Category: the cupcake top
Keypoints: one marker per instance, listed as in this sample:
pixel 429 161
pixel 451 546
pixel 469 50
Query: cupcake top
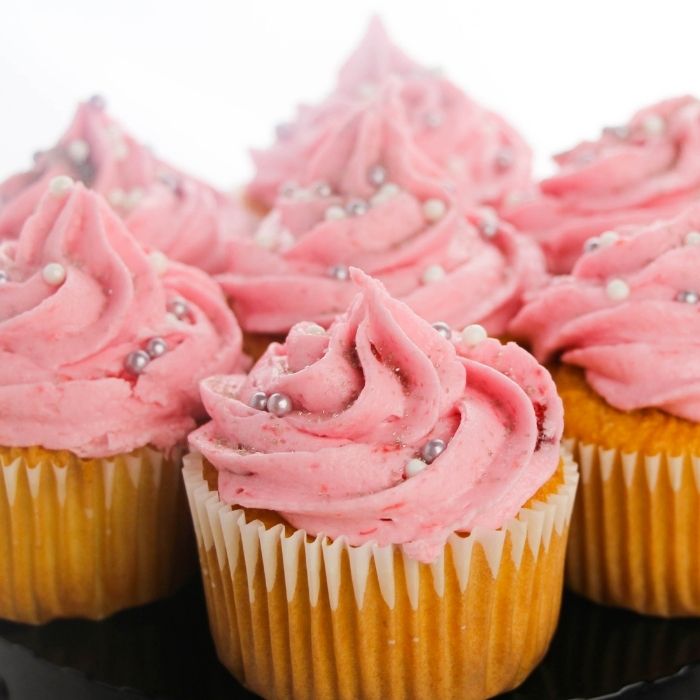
pixel 101 346
pixel 164 208
pixel 381 429
pixel 371 198
pixel 629 315
pixel 479 151
pixel 635 173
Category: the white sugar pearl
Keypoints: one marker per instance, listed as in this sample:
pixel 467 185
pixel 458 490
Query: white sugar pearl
pixel 266 238
pixel 116 197
pixel 385 193
pixel 78 151
pixel 434 209
pixel 692 238
pixel 60 185
pixel 654 125
pixel 474 334
pixel 54 274
pixel 133 197
pixel 608 238
pixel 617 289
pixel 433 273
pixel 159 262
pixel 334 212
pixel 314 329
pixel 414 467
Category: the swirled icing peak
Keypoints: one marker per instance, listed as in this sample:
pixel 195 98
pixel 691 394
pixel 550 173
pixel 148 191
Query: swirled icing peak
pixel 369 198
pixel 100 350
pixel 164 208
pixel 635 173
pixel 340 452
pixel 629 316
pixel 478 151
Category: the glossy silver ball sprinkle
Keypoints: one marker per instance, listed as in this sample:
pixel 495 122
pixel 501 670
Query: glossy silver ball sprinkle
pixel 323 189
pixel 258 401
pixel 591 244
pixel 339 272
pixel 4 277
pixel 279 404
pixel 443 329
pixel 156 347
pixel 688 297
pixel 488 227
pixel 98 102
pixel 377 175
pixel 137 361
pixel 179 308
pixel 357 207
pixel 432 450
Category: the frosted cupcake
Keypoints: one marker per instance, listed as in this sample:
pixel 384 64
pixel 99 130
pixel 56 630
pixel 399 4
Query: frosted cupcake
pixel 636 173
pixel 101 353
pixel 484 156
pixel 369 197
pixel 186 219
pixel 382 511
pixel 626 329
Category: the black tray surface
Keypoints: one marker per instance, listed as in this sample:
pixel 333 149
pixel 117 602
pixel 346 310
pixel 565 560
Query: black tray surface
pixel 164 651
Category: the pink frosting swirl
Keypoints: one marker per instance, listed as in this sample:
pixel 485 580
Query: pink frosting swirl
pixel 628 314
pixel 400 225
pixel 164 208
pixel 636 173
pixel 366 397
pixel 477 149
pixel 66 329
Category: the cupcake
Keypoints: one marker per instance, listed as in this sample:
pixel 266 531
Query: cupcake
pixel 485 157
pixel 101 354
pixel 382 511
pixel 165 209
pixel 624 333
pixel 369 197
pixel 636 173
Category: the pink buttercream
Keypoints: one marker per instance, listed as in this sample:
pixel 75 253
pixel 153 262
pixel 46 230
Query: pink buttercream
pixel 63 382
pixel 642 350
pixel 445 267
pixel 367 395
pixel 480 153
pixel 637 173
pixel 164 208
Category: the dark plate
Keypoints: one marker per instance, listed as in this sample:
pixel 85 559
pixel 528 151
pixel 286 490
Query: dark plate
pixel 164 651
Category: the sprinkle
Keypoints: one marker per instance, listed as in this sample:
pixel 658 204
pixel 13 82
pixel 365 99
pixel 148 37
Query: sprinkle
pixel 432 450
pixel 620 132
pixel 323 189
pixel 607 238
pixel 591 244
pixel 414 467
pixel 433 273
pixel 4 277
pixel 137 361
pixel 159 261
pixel 339 272
pixel 258 401
pixel 334 212
pixel 357 207
pixel 279 404
pixel 654 125
pixel 377 175
pixel 617 289
pixel 386 192
pixel 54 274
pixel 443 329
pixel 504 158
pixel 156 347
pixel 98 102
pixel 313 329
pixel 434 209
pixel 116 197
pixel 178 308
pixel 60 185
pixel 688 297
pixel 474 334
pixel 78 151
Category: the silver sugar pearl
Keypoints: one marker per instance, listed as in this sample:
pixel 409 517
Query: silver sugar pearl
pixel 279 404
pixel 621 131
pixel 179 308
pixel 443 329
pixel 156 347
pixel 288 189
pixel 591 244
pixel 377 175
pixel 688 297
pixel 4 277
pixel 339 272
pixel 137 361
pixel 504 158
pixel 323 189
pixel 357 207
pixel 488 227
pixel 432 450
pixel 258 401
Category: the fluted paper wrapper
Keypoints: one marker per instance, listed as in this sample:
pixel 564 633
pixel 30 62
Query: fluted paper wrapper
pixel 295 616
pixel 85 538
pixel 635 533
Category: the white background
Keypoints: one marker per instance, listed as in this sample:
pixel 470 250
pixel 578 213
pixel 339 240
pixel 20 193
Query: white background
pixel 203 80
